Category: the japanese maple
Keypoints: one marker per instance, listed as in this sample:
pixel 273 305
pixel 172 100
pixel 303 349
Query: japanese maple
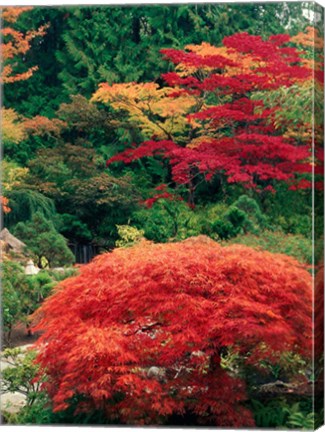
pixel 140 332
pixel 227 133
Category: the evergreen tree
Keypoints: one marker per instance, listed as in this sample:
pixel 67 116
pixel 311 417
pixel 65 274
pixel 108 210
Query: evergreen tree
pixel 121 44
pixel 42 93
pixel 84 46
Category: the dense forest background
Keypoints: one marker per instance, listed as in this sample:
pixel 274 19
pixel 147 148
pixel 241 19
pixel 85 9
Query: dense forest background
pixel 57 139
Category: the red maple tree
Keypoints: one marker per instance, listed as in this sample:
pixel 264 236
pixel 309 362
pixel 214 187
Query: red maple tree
pixel 140 332
pixel 228 133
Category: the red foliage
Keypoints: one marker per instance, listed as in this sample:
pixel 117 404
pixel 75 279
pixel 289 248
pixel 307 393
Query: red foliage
pixel 240 139
pixel 140 331
pixel 164 194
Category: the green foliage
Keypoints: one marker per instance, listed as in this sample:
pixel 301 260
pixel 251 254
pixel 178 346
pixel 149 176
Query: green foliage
pixel 25 203
pixel 280 413
pixel 290 211
pixel 300 420
pixel 255 219
pixel 270 415
pixel 90 202
pixel 296 246
pixel 61 274
pixel 18 377
pixel 43 241
pixel 22 294
pixel 295 102
pixel 231 223
pixel 167 220
pixel 243 216
pixel 78 51
pixel 12 280
pixel 39 413
pixel 72 227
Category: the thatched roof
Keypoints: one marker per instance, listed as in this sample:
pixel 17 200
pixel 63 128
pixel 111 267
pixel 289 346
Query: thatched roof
pixel 14 244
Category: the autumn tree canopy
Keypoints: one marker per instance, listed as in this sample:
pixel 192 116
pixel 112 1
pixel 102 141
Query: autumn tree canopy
pixel 206 121
pixel 146 327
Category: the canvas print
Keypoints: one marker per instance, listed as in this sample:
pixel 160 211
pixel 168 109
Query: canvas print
pixel 162 202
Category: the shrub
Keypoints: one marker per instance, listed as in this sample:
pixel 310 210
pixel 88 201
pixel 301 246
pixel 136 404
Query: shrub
pixel 243 216
pixel 43 241
pixel 12 278
pixel 255 219
pixel 231 224
pixel 279 413
pixel 22 294
pixel 19 377
pixel 168 220
pixel 128 235
pixel 140 332
pixel 277 242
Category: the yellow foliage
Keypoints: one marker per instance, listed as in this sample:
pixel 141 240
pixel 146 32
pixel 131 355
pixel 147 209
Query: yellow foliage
pixel 12 175
pixel 196 142
pixel 148 106
pixel 129 235
pixel 12 127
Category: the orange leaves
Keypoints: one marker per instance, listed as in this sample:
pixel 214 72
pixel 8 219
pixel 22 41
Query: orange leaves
pixel 4 204
pixel 40 125
pixel 11 14
pixel 149 322
pixel 313 54
pixel 242 63
pixel 16 43
pixel 15 128
pixel 309 38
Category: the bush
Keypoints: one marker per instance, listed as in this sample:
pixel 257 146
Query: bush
pixel 22 294
pixel 128 235
pixel 140 331
pixel 296 246
pixel 255 219
pixel 20 377
pixel 231 224
pixel 280 413
pixel 12 279
pixel 242 217
pixel 167 220
pixel 44 242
